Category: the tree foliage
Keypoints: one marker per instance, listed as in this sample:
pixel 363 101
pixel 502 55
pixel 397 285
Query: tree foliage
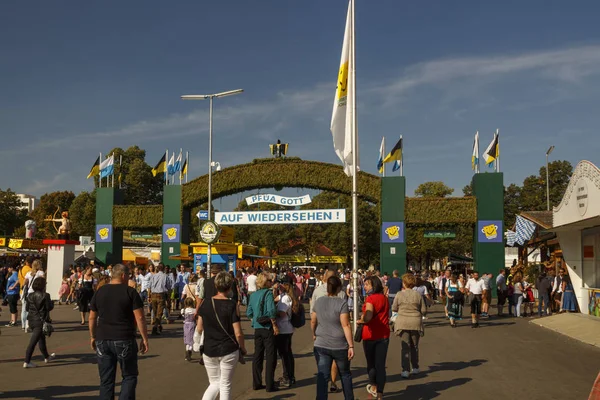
pixel 12 216
pixel 433 189
pixel 83 214
pixel 49 204
pixel 137 180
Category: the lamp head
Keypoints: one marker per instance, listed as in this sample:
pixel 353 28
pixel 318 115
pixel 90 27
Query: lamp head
pixel 550 150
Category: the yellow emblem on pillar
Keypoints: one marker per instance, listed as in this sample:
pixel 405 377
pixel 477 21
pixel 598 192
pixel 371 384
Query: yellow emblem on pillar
pixel 490 231
pixel 171 233
pixel 393 232
pixel 103 233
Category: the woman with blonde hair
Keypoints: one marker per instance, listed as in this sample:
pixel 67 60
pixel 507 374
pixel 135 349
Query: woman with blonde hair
pixel 262 312
pixel 411 308
pixel 223 338
pixel 518 290
pixel 35 273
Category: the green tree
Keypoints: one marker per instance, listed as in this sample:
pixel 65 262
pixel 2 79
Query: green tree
pixel 12 215
pixel 83 214
pixel 49 204
pixel 468 190
pixel 533 192
pixel 136 177
pixel 433 189
pixel 512 204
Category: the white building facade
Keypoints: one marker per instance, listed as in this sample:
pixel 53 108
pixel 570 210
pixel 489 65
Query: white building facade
pixel 29 202
pixel 577 225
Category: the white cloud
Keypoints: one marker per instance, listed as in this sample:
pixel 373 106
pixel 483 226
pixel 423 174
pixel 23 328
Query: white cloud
pixel 42 186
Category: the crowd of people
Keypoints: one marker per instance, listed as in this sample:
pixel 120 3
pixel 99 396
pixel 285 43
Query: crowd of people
pixel 118 299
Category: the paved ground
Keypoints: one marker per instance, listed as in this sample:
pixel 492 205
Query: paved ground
pixel 505 358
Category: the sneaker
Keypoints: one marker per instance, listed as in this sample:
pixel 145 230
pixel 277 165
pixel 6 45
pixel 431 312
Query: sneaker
pixel 405 374
pixel 50 358
pixel 284 383
pixel 29 365
pixel 76 308
pixel 11 324
pixel 371 391
pixel 415 371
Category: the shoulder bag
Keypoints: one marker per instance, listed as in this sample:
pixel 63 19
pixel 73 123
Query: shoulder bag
pixel 241 356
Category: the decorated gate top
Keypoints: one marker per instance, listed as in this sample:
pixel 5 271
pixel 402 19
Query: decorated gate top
pixel 280 200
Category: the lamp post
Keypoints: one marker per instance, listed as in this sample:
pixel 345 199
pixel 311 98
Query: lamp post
pixel 548 179
pixel 210 97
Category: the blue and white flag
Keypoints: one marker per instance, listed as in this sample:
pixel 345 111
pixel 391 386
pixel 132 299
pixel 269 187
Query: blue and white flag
pixel 396 166
pixel 171 165
pixel 524 230
pixel 511 238
pixel 107 167
pixel 178 163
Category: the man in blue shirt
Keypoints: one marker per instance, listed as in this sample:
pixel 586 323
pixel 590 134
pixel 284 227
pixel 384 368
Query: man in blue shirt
pixel 394 286
pixel 12 294
pixel 159 287
pixel 183 278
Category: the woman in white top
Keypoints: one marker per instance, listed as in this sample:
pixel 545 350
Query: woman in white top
pixel 517 294
pixel 287 304
pixel 456 299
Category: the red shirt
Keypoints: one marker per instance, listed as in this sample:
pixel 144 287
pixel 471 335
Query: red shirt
pixel 378 327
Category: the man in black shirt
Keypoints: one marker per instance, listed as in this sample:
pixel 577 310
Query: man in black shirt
pixel 116 309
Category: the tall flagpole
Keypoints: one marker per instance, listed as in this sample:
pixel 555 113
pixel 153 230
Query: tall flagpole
pixel 100 172
pixel 383 155
pixel 187 165
pixel 498 150
pixel 166 172
pixel 113 174
pixel 180 166
pixel 354 167
pixel 402 158
pixel 477 165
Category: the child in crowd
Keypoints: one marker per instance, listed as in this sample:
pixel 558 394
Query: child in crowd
pixel 189 326
pixel 63 292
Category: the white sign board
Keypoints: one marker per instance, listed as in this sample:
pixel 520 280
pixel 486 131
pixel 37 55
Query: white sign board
pixel 331 216
pixel 280 200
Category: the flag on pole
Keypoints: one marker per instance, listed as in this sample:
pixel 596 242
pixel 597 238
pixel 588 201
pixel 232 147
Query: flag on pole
pixel 396 166
pixel 107 167
pixel 184 168
pixel 380 160
pixel 171 164
pixel 475 156
pixel 95 168
pixel 161 166
pixel 524 230
pixel 493 150
pixel 395 154
pixel 342 117
pixel 178 162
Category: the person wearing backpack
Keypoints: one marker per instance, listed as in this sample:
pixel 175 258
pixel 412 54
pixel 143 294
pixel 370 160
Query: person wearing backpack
pixel 262 312
pixel 311 285
pixel 287 306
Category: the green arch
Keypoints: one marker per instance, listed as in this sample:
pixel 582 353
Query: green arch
pixel 294 172
pixel 279 172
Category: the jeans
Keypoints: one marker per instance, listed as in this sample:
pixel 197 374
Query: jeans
pixel 410 349
pixel 544 298
pixel 37 336
pixel 284 348
pixel 376 354
pixel 24 313
pixel 325 358
pixel 220 373
pixel 264 343
pixel 517 301
pixel 109 352
pixel 391 301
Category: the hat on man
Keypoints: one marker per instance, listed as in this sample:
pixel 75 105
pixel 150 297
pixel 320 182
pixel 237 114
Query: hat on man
pixel 215 268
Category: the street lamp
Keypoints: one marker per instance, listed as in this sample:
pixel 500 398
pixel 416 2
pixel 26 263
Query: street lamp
pixel 216 165
pixel 210 97
pixel 547 179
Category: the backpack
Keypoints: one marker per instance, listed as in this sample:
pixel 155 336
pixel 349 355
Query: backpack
pixel 298 318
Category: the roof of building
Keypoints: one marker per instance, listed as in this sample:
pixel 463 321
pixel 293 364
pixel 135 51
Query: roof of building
pixel 541 218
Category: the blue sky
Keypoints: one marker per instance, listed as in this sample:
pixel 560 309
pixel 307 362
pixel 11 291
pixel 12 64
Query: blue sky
pixel 79 78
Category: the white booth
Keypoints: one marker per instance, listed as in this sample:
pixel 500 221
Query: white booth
pixel 61 254
pixel 577 225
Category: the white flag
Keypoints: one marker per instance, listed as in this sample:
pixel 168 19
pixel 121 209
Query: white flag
pixel 475 156
pixel 342 118
pixel 171 164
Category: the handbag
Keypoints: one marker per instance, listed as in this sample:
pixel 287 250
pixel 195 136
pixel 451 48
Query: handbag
pixel 358 333
pixel 240 356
